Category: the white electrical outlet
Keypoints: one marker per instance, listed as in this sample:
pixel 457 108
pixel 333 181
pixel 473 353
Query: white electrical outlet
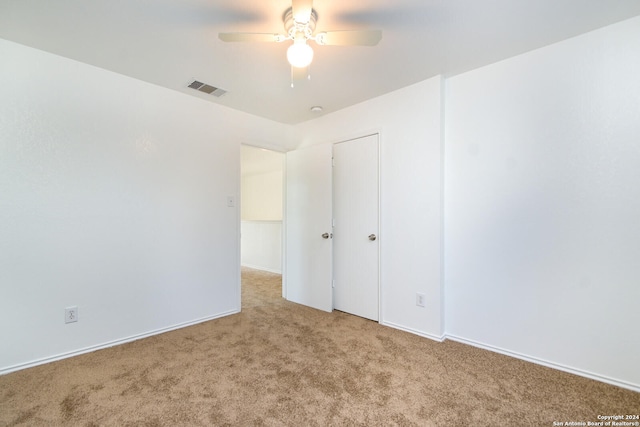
pixel 70 314
pixel 420 300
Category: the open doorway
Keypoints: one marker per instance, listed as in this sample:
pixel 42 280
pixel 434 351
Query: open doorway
pixel 261 214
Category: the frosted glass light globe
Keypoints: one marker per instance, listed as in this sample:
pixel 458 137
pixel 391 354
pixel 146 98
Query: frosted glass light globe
pixel 300 54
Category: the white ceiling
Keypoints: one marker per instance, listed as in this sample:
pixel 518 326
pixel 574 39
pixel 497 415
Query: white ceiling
pixel 171 42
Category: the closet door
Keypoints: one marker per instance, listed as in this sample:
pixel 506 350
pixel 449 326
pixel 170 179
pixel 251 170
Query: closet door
pixel 356 242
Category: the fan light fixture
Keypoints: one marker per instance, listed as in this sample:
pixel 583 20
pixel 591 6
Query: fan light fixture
pixel 300 25
pixel 300 54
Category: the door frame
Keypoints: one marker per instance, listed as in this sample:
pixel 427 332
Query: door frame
pixel 345 138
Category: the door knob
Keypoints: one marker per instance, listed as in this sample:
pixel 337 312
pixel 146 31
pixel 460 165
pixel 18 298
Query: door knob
pixel 372 237
pixel 325 235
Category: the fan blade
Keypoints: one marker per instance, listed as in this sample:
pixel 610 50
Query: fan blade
pixel 251 37
pixel 349 38
pixel 301 10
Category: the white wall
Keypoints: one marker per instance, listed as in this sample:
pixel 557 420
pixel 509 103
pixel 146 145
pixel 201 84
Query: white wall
pixel 262 196
pixel 112 198
pixel 262 245
pixel 261 226
pixel 542 212
pixel 409 123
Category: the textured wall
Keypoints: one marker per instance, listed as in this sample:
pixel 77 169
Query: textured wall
pixel 113 198
pixel 542 195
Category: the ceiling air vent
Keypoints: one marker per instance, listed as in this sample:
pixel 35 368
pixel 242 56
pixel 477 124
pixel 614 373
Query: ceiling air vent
pixel 203 87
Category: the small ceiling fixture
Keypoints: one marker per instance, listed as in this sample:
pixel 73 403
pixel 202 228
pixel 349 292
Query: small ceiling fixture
pixel 300 25
pixel 316 109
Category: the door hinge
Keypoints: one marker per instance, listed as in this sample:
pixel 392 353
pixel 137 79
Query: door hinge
pixel 333 283
pixel 333 162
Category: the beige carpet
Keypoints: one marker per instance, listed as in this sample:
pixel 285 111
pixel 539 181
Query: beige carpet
pixel 278 363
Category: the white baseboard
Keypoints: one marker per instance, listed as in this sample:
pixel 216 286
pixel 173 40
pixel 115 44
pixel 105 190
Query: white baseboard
pixel 441 338
pixel 414 331
pixel 579 372
pixel 90 349
pixel 560 367
pixel 258 267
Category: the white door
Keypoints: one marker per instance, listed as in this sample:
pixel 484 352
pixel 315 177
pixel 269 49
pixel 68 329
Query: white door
pixel 308 227
pixel 355 232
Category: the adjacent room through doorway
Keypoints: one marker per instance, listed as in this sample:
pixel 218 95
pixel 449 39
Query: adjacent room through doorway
pixel 261 216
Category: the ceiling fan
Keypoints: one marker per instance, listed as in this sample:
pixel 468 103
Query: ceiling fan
pixel 299 25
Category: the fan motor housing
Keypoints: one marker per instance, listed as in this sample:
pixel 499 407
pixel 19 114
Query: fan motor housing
pixel 290 24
